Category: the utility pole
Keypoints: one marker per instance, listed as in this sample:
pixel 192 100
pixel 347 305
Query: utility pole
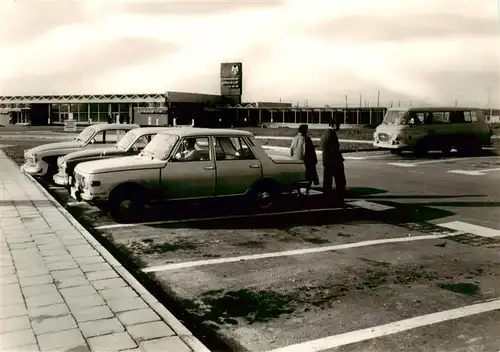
pixel 345 110
pixel 399 103
pixel 378 98
pixel 456 102
pixel 391 103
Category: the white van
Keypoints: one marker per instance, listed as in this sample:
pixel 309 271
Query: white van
pixel 430 128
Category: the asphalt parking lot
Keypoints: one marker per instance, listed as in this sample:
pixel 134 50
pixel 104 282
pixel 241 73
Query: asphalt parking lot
pixel 413 263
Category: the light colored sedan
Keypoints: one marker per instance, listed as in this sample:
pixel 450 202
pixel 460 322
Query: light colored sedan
pixel 187 163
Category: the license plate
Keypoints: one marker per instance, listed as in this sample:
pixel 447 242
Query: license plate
pixel 73 193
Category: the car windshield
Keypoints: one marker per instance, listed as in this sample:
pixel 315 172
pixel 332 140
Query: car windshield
pixel 397 117
pixel 160 146
pixel 126 142
pixel 85 135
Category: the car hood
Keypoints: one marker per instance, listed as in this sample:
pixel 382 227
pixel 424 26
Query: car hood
pixel 125 163
pixel 93 152
pixel 54 146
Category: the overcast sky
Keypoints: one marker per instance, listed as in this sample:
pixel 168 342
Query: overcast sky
pixel 425 50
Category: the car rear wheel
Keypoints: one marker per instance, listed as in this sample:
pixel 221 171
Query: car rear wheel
pixel 126 204
pixel 396 151
pixel 265 195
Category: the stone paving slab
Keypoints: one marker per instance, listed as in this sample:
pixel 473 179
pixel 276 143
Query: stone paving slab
pixel 61 290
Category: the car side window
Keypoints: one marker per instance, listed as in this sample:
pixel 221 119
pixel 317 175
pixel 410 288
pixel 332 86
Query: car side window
pixel 98 138
pixel 467 116
pixel 141 142
pixel 232 148
pixel 416 118
pixel 473 116
pixel 110 137
pixel 193 149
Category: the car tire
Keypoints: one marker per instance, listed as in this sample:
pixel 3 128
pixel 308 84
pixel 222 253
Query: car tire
pixel 396 151
pixel 126 204
pixel 265 195
pixel 421 149
pixel 51 171
pixel 470 147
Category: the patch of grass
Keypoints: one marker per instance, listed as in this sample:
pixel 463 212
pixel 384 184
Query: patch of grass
pixel 363 133
pixel 463 288
pixel 147 246
pixel 253 306
pixel 251 244
pixel 316 240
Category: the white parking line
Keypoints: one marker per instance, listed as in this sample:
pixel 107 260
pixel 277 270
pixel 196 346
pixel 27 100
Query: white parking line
pixel 390 329
pixel 369 205
pixel 318 152
pixel 473 172
pixel 72 204
pixel 285 138
pixel 230 217
pixel 470 228
pixel 444 160
pixel 242 258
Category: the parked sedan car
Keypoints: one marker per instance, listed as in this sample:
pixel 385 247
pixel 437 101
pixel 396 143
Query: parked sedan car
pixel 42 160
pixel 187 163
pixel 131 144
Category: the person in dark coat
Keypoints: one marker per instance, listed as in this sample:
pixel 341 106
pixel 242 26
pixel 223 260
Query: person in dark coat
pixel 333 164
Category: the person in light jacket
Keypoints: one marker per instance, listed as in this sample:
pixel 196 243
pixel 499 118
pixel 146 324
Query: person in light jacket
pixel 303 149
pixel 298 147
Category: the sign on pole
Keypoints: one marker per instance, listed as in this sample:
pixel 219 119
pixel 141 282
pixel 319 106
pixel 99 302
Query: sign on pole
pixel 70 125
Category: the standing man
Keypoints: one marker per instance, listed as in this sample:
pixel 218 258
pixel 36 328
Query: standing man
pixel 333 164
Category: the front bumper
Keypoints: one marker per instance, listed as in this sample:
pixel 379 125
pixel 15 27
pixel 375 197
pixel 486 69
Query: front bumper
pixel 390 144
pixel 35 170
pixel 80 194
pixel 61 179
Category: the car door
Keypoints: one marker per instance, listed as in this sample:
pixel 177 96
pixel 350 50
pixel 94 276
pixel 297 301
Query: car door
pixel 237 167
pixel 184 179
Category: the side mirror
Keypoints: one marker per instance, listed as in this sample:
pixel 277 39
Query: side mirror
pixel 178 156
pixel 92 141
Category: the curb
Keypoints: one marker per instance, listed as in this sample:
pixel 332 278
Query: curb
pixel 180 330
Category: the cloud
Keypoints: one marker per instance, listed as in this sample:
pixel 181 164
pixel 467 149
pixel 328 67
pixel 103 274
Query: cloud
pixel 396 28
pixel 25 20
pixel 317 50
pixel 198 8
pixel 78 70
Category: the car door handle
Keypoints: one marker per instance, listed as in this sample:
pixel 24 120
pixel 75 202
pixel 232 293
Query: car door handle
pixel 209 167
pixel 255 166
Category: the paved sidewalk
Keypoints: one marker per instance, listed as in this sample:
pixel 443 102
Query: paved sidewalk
pixel 62 291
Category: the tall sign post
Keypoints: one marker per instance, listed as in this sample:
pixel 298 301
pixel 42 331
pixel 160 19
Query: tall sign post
pixel 231 81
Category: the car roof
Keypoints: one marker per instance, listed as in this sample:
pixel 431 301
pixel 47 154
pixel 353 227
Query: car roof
pixel 154 129
pixel 114 126
pixel 434 108
pixel 198 131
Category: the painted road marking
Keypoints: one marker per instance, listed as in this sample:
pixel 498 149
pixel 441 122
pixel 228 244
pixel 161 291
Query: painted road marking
pixel 369 205
pixel 402 164
pixel 390 328
pixel 242 258
pixel 318 152
pixel 229 217
pixel 470 228
pixel 444 160
pixel 474 172
pixel 285 138
pixel 72 204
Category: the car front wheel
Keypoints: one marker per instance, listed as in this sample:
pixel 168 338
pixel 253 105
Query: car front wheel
pixel 126 205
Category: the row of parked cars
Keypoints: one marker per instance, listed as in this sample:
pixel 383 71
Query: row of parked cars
pixel 124 168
